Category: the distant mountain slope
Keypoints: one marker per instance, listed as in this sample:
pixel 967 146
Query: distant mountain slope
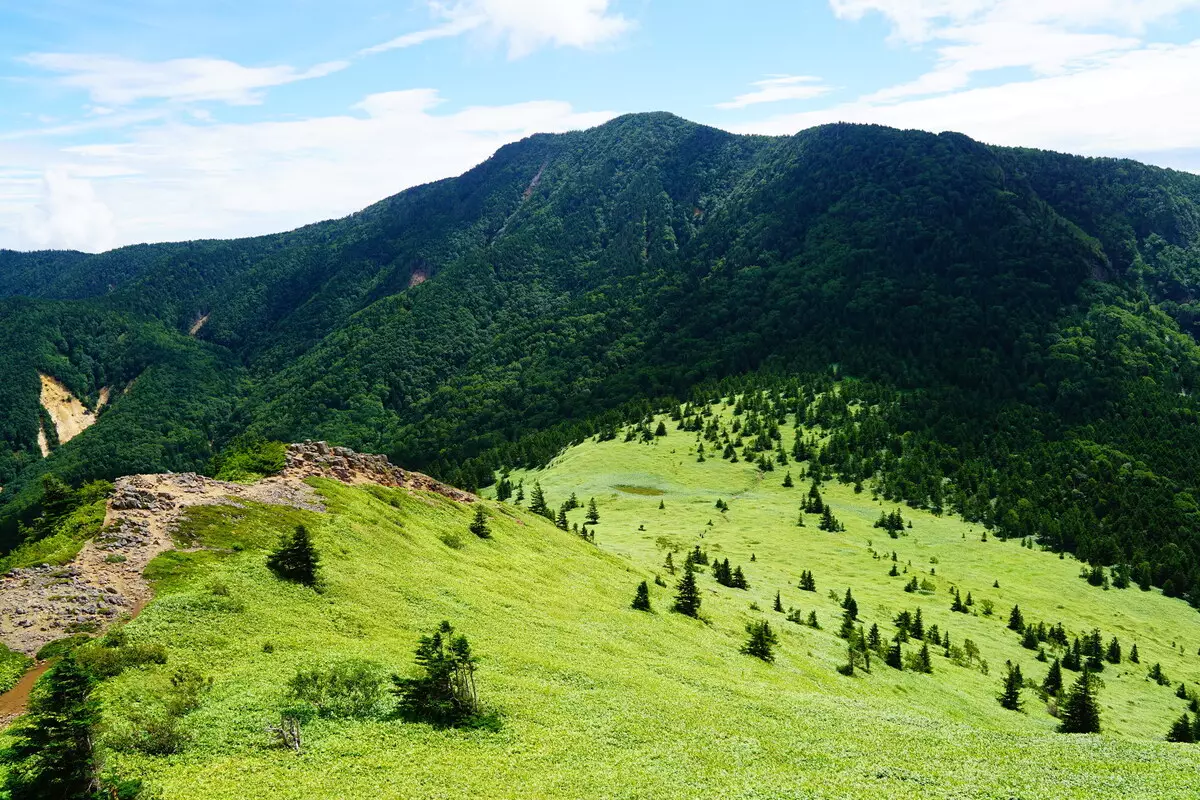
pixel 1015 296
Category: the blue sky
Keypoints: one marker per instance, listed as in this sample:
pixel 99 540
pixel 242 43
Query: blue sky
pixel 125 121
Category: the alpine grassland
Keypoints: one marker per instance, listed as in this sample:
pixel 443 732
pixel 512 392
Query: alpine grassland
pixel 583 696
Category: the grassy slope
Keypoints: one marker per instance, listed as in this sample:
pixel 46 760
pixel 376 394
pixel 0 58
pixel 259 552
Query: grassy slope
pixel 602 701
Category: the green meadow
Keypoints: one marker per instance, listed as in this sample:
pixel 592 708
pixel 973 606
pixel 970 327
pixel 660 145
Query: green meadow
pixel 596 700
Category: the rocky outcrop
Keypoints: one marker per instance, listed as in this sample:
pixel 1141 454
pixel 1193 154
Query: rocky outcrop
pixel 318 459
pixel 41 604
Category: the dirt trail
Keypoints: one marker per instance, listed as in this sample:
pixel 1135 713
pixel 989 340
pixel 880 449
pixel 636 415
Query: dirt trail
pixel 105 581
pixel 14 701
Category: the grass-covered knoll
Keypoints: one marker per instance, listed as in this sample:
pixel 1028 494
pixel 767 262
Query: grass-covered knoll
pixel 595 699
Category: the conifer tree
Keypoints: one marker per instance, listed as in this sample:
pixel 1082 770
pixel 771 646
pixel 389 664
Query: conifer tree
pixel 778 602
pixel 873 638
pixel 561 520
pixel 520 498
pixel 812 621
pixel 1081 713
pixel 738 579
pixel 1181 730
pixel 479 525
pixel 761 642
pixel 924 659
pixel 1053 682
pixel 669 564
pixel 50 753
pixel 1133 655
pixel 661 430
pixel 687 596
pixel 1010 694
pixel 641 599
pixel 537 502
pixel 593 515
pixel 850 605
pixel 957 605
pixel 1016 622
pixel 895 656
pixel 847 629
pixel 295 559
pixel 918 626
pixel 787 481
pixel 445 693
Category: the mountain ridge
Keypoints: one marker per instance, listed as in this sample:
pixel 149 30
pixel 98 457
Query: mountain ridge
pixel 652 256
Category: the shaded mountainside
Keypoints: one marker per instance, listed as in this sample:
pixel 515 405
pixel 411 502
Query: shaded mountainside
pixel 1021 318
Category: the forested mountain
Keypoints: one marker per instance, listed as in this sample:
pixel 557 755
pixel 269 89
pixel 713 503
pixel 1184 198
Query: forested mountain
pixel 1018 325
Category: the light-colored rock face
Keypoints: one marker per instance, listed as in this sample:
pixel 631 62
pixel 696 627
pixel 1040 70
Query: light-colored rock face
pixel 105 581
pixel 70 416
pixel 198 324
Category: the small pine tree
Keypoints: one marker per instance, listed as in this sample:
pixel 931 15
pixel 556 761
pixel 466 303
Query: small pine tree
pixel 812 621
pixel 520 498
pixel 661 505
pixel 687 596
pixel 560 521
pixel 537 502
pixel 296 559
pixel 1181 730
pixel 787 481
pixel 1081 713
pixel 593 515
pixel 1016 622
pixel 669 564
pixel 479 525
pixel 761 642
pixel 850 604
pixel 1053 682
pixel 895 656
pixel 1010 694
pixel 778 602
pixel 1133 655
pixel 641 599
pixel 925 660
pixel 444 694
pixel 661 430
pixel 1113 654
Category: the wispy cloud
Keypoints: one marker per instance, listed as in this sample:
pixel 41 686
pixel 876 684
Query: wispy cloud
pixel 522 26
pixel 777 88
pixel 185 180
pixel 116 81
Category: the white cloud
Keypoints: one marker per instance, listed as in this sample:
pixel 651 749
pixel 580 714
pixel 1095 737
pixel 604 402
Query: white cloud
pixel 181 180
pixel 523 26
pixel 777 88
pixel 455 27
pixel 69 216
pixel 1141 101
pixel 117 81
pixel 1047 37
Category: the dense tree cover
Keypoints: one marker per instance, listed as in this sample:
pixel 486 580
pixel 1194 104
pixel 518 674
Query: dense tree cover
pixel 1013 319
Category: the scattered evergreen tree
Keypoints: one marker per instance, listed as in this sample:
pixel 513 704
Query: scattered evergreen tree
pixel 1181 730
pixel 850 605
pixel 812 621
pixel 761 641
pixel 807 582
pixel 1016 622
pixel 593 515
pixel 520 498
pixel 1053 682
pixel 787 481
pixel 295 559
pixel 561 520
pixel 50 754
pixel 537 502
pixel 895 656
pixel 1113 654
pixel 1081 713
pixel 479 525
pixel 1133 655
pixel 687 597
pixel 957 605
pixel 669 564
pixel 661 430
pixel 778 602
pixel 641 599
pixel 444 693
pixel 1010 694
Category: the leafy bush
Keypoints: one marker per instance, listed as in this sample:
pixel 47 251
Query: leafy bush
pixel 248 459
pixel 346 689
